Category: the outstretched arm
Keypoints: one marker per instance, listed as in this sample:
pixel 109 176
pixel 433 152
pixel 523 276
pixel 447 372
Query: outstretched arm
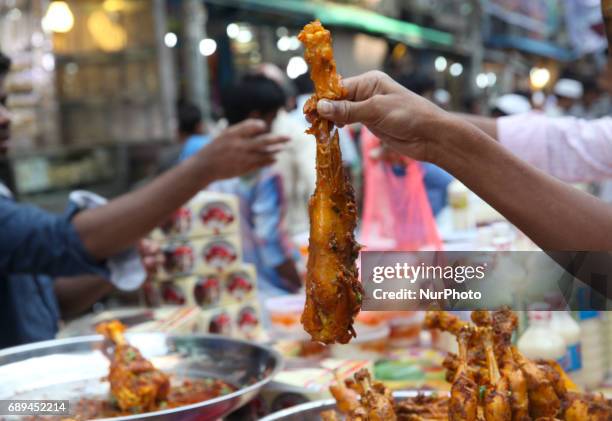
pixel 552 214
pixel 110 229
pixel 486 124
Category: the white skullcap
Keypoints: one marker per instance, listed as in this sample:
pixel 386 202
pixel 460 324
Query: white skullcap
pixel 511 104
pixel 568 88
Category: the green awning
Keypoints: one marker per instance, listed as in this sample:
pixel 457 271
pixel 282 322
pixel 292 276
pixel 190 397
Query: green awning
pixel 334 14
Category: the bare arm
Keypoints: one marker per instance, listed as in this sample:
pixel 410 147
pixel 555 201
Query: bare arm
pixel 110 229
pixel 554 215
pixel 77 294
pixel 486 124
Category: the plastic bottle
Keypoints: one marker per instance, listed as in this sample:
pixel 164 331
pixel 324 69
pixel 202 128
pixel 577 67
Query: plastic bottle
pixel 539 340
pixel 593 349
pixel 459 201
pixel 565 325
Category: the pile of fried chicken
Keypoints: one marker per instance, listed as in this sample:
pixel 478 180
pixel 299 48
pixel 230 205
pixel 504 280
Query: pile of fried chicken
pixel 491 381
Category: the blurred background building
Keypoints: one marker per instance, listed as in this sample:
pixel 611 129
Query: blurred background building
pixel 95 82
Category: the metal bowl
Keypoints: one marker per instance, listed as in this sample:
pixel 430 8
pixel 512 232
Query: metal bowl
pixel 73 368
pixel 310 411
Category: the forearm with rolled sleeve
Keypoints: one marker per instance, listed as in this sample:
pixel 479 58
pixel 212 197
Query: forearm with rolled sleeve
pixel 570 149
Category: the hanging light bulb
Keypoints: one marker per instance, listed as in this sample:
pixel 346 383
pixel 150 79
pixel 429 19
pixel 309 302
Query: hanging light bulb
pixel 170 39
pixel 539 77
pixel 456 69
pixel 296 67
pixel 59 17
pixel 440 64
pixel 482 81
pixel 207 46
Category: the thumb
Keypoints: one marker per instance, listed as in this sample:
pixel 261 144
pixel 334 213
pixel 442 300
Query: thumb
pixel 343 112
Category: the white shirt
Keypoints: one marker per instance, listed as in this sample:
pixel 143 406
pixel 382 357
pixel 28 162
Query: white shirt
pixel 571 149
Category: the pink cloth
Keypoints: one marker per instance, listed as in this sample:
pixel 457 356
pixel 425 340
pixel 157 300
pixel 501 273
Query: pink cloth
pixel 568 148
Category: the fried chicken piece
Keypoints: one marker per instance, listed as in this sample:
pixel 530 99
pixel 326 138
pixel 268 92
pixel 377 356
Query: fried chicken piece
pixel 447 322
pixel 496 400
pixel 376 398
pixel 579 407
pixel 463 403
pixel 135 383
pixel 443 321
pixel 543 400
pixel 361 399
pixel 552 371
pixel 504 322
pixel 333 291
pixel 476 366
pixel 452 324
pixel 330 415
pixel 423 408
pixel 347 399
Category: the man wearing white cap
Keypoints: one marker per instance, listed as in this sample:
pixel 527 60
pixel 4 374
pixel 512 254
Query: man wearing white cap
pixel 568 93
pixel 510 104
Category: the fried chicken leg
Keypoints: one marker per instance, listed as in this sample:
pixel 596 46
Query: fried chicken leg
pixel 496 400
pixel 463 403
pixel 587 408
pixel 333 291
pixel 376 398
pixel 543 400
pixel 504 324
pixel 443 321
pixel 346 398
pixel 447 322
pixel 135 383
pixel 361 399
pixel 423 408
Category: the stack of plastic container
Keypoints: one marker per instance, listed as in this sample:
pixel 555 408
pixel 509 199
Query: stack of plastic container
pixel 203 266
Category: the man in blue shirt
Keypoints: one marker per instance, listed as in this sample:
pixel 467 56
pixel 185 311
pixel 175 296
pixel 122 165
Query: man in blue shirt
pixel 93 237
pixel 265 241
pixel 191 131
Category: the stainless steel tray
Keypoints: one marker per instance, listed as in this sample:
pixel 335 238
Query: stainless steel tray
pixel 310 411
pixel 72 368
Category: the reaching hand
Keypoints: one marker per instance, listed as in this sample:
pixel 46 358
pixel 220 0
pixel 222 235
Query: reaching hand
pixel 240 149
pixel 400 118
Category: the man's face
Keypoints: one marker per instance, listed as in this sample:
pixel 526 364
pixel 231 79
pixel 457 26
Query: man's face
pixel 5 119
